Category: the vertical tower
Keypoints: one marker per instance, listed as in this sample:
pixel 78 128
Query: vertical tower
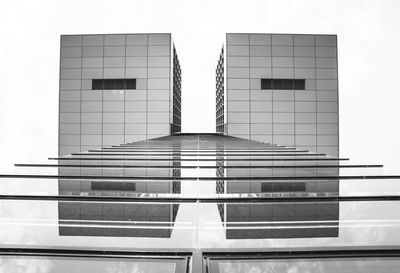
pixel 281 89
pixel 117 88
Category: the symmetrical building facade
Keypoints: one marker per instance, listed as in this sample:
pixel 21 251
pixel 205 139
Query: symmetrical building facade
pixel 117 88
pixel 119 201
pixel 281 89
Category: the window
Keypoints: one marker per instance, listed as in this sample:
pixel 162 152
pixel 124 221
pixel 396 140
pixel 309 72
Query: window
pixel 283 187
pixel 329 263
pixel 113 186
pixel 283 84
pixel 113 84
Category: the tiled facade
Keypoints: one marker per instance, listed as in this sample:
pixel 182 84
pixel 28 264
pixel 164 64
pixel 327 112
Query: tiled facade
pixel 301 118
pixel 177 94
pixel 220 96
pixel 89 118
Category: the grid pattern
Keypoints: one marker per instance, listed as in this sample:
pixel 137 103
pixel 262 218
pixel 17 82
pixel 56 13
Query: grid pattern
pixel 100 213
pixel 241 193
pixel 177 94
pixel 301 118
pixel 91 119
pixel 219 87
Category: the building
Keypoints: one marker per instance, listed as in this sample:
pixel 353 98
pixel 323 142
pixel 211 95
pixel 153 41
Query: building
pixel 193 203
pixel 279 88
pixel 117 88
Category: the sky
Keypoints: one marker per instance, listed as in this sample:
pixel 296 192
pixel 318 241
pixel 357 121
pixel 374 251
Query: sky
pixel 368 53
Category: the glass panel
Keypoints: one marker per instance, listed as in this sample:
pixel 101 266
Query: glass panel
pixel 114 39
pixel 237 50
pixel 237 39
pixel 200 192
pixel 87 264
pixel 260 39
pixel 93 40
pixel 71 40
pixel 114 51
pixel 370 265
pixel 136 39
pixel 160 39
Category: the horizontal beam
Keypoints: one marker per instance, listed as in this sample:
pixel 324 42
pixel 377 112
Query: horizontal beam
pixel 250 198
pixel 199 167
pixel 212 178
pixel 198 159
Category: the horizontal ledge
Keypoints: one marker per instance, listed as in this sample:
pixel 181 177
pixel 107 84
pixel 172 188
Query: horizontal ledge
pixel 212 178
pixel 307 254
pixel 241 199
pixel 199 149
pixel 199 159
pixel 195 151
pixel 93 253
pixel 194 155
pixel 199 167
pixel 195 147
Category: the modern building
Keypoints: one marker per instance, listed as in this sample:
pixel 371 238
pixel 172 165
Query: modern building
pixel 279 88
pixel 117 88
pixel 133 194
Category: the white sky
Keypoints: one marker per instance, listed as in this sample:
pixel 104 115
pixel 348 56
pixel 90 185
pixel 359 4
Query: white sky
pixel 368 45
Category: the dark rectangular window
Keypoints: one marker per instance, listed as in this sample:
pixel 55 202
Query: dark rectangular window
pixel 266 84
pixel 299 84
pixel 283 84
pixel 130 83
pixel 283 187
pixel 97 84
pixel 113 186
pixel 113 84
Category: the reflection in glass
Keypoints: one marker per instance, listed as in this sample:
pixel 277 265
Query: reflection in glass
pixel 82 265
pixel 332 265
pixel 119 219
pixel 278 220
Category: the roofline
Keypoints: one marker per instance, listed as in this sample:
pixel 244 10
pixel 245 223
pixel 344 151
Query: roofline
pixel 262 33
pixel 138 33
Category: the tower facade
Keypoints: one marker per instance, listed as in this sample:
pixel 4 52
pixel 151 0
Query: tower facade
pixel 281 89
pixel 117 88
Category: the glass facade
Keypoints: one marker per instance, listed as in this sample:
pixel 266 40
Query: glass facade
pixel 200 203
pixel 300 109
pixel 220 95
pixel 54 262
pixel 165 201
pixel 312 265
pixel 177 94
pixel 116 89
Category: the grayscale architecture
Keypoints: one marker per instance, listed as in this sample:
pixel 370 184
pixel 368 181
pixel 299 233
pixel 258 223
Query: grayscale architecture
pixel 279 88
pixel 129 192
pixel 117 88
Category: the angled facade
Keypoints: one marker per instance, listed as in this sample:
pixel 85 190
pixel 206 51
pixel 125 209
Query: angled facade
pixel 117 88
pixel 279 88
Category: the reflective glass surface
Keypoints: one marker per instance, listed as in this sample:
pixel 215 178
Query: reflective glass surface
pixel 197 196
pixel 27 263
pixel 346 265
